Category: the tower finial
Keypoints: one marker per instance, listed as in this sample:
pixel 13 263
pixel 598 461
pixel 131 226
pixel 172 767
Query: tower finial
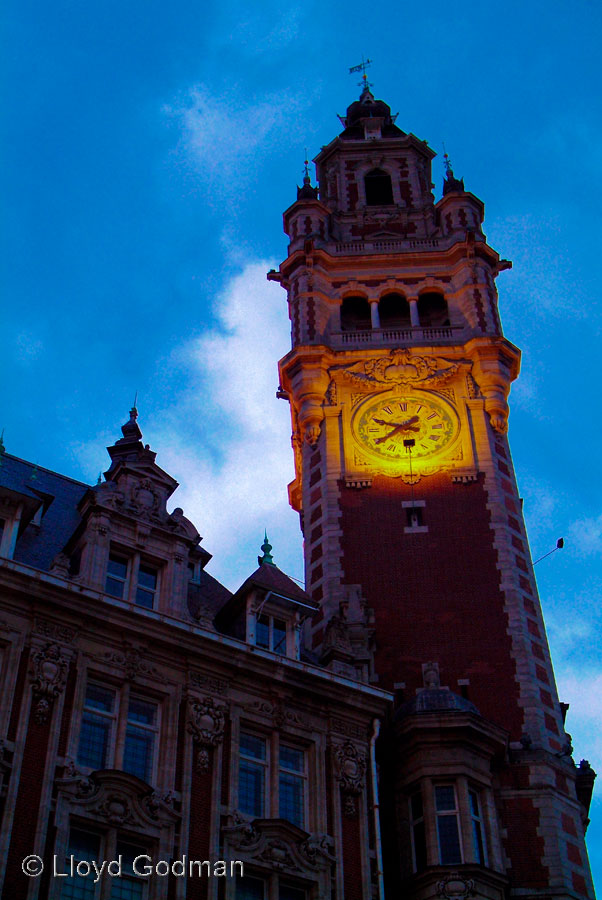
pixel 267 554
pixel 449 172
pixel 361 67
pixel 306 178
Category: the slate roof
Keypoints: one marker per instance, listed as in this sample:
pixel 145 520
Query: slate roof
pixel 37 545
pixel 271 578
pixel 209 593
pixel 436 700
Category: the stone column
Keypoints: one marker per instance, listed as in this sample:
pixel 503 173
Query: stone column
pixel 374 314
pixel 414 317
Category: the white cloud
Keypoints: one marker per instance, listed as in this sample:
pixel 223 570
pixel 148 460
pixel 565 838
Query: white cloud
pixel 225 136
pixel 586 536
pixel 583 691
pixel 234 471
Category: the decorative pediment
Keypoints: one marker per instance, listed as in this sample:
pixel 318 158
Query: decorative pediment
pixel 117 799
pixel 402 367
pixel 280 845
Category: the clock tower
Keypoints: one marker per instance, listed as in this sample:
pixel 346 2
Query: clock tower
pixel 415 544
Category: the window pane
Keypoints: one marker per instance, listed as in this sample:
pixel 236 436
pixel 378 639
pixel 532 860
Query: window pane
pixel 474 803
pixel 129 886
pixel 138 752
pixel 290 758
pixel 145 598
pixel 251 788
pixel 291 893
pixel 114 587
pixel 125 888
pixel 117 566
pixel 82 845
pixel 252 746
pixel 445 797
pixel 290 795
pixel 419 846
pixel 142 711
pixel 416 802
pixel 147 577
pixel 449 840
pixel 279 637
pixel 262 632
pixel 100 698
pixel 250 889
pixel 94 741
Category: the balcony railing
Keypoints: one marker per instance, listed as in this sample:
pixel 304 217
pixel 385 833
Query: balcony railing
pixel 418 335
pixel 386 246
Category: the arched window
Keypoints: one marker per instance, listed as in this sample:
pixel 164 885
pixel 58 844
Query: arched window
pixel 379 190
pixel 394 311
pixel 432 310
pixel 355 314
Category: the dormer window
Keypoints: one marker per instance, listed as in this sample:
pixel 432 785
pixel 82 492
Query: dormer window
pixel 117 571
pixel 270 634
pixel 379 189
pixel 133 579
pixel 146 589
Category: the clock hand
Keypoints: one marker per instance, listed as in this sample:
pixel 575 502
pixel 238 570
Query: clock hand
pixel 408 425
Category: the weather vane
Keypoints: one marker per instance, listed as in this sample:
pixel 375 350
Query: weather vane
pixel 306 165
pixel 362 68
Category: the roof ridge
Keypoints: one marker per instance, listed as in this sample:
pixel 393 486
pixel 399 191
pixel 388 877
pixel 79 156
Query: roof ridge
pixel 44 469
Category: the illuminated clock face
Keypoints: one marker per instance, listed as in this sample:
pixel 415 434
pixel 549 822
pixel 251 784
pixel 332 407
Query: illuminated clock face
pixel 384 425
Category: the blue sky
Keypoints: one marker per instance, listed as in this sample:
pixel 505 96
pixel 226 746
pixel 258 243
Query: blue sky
pixel 147 156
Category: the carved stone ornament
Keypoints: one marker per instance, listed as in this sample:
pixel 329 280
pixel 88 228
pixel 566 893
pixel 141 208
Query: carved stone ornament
pixel 49 674
pixel 116 798
pixel 206 724
pixel 336 635
pixel 278 712
pixel 351 768
pixel 134 664
pixel 401 367
pixel 455 887
pixel 279 844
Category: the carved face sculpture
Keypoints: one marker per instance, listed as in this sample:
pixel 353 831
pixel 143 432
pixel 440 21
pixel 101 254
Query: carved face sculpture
pixel 382 424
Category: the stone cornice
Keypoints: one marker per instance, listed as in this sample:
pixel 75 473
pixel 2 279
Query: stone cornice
pixel 91 612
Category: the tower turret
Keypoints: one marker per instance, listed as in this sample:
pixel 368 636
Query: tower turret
pixel 415 545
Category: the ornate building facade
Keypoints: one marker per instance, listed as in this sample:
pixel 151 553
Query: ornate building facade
pixel 394 731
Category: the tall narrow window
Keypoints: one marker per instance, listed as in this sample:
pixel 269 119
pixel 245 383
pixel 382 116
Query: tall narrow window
pixel 252 775
pixel 147 586
pixel 129 886
pixel 140 736
pixel 379 190
pixel 117 571
pixel 83 845
pixel 448 832
pixel 418 832
pixel 97 726
pixel 478 841
pixel 291 785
